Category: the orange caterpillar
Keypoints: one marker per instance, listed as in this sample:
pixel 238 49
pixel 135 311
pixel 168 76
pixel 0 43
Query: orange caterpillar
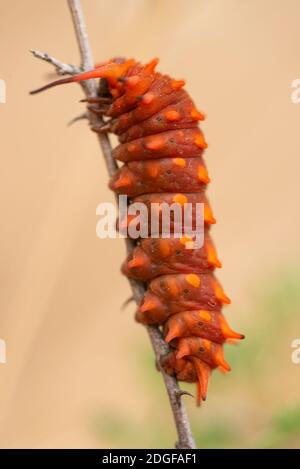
pixel 162 148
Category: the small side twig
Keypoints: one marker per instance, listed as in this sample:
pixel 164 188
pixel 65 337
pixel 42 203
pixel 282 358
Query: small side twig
pixel 160 347
pixel 61 68
pixel 80 117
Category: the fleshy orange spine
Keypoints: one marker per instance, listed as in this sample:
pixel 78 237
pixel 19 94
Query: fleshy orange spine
pixel 162 148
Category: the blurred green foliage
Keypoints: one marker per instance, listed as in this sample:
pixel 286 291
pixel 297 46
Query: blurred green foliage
pixel 250 407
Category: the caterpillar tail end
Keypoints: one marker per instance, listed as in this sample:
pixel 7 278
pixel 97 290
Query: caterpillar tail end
pixel 110 70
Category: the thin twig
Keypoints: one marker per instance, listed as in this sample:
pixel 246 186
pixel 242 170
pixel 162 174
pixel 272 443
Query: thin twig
pixel 81 34
pixel 61 68
pixel 160 347
pixel 80 117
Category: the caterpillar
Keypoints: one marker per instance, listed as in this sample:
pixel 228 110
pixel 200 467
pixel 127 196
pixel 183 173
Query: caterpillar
pixel 161 147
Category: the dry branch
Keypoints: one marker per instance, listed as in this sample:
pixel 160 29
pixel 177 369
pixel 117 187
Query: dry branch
pixel 160 347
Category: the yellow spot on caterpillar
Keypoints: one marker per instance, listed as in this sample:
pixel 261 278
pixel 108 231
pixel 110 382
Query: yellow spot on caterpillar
pixel 155 143
pixel 203 174
pixel 180 199
pixel 193 280
pixel 205 315
pixel 172 115
pixel 179 162
pixel 200 142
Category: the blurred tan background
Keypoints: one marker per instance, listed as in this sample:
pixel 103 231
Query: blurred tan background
pixel 80 371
